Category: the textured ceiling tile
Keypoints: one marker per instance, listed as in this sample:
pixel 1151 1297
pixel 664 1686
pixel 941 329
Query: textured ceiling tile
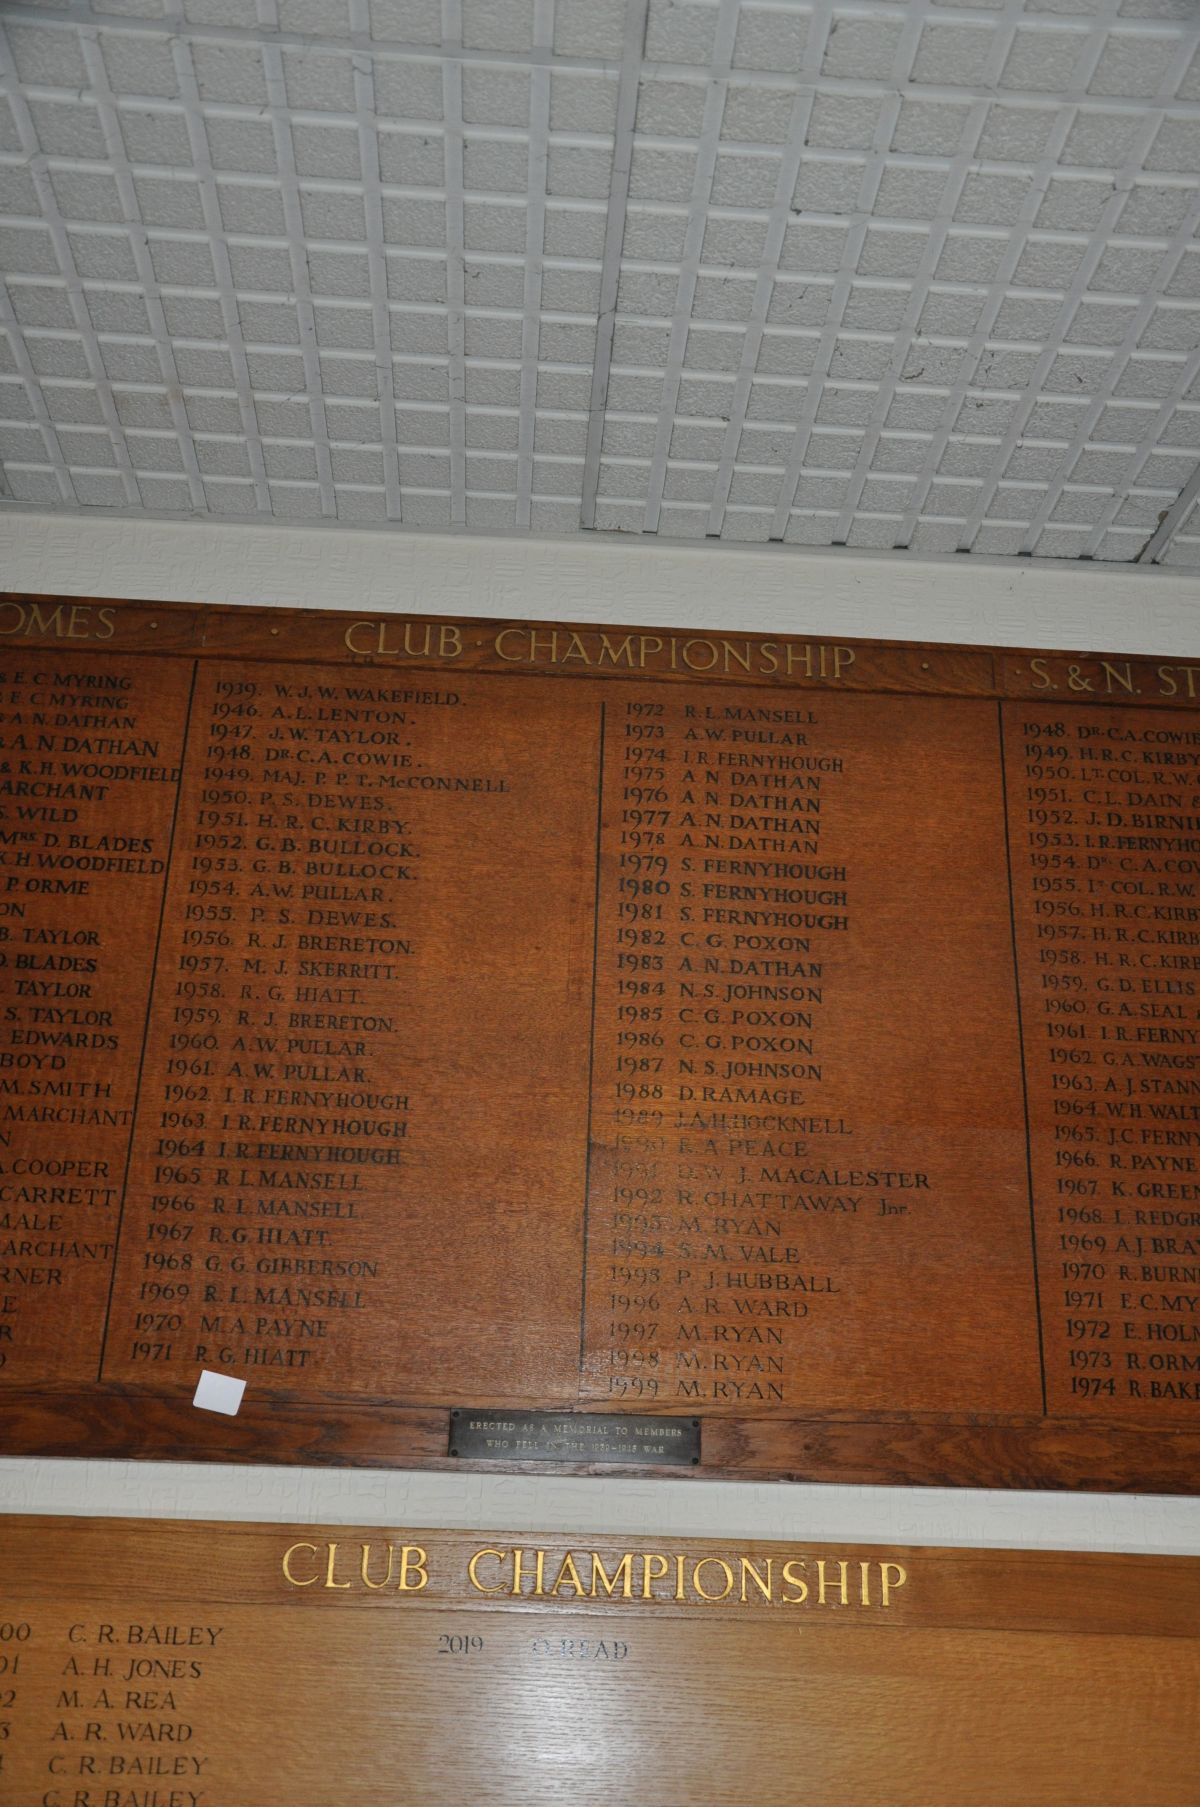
pixel 571 232
pixel 952 55
pixel 1024 351
pixel 681 31
pixel 47 55
pixel 571 291
pixel 588 27
pixel 670 109
pixel 862 48
pixel 1041 61
pixel 319 81
pixel 497 24
pixel 65 130
pixel 910 193
pixel 735 242
pixel 495 166
pixel 242 146
pixel 991 200
pixel 342 327
pixel 407 90
pixel 18 194
pixel 1133 66
pixel 582 103
pixel 843 121
pixel 417 160
pixel 171 203
pixel 1074 204
pixel 1155 210
pixel 81 195
pixel 757 114
pixel 828 187
pixel 1103 140
pixel 1016 134
pixel 647 292
pixel 138 64
pixel 492 96
pixel 929 128
pixel 407 21
pixel 578 170
pixel 230 73
pixel 1177 147
pixel 771 38
pixel 328 151
pixel 742 179
pixel 955 315
pixel 1051 264
pixel 314 18
pixel 155 137
pixel 662 175
pixel 1124 269
pixel 254 209
pixel 240 13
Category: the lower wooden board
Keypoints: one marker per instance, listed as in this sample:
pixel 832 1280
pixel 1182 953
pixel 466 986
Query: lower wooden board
pixel 150 1664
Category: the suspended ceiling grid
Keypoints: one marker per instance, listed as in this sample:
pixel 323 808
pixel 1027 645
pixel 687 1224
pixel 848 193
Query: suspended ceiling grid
pixel 883 275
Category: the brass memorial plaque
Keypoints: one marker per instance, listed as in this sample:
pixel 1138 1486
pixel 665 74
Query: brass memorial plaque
pixel 405 1014
pixel 625 1439
pixel 152 1664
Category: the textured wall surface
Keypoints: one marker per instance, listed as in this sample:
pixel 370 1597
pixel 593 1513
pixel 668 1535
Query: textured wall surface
pixel 1015 603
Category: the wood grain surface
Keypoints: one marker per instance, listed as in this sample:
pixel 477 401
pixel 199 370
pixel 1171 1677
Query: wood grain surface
pixel 149 1664
pixel 405 1014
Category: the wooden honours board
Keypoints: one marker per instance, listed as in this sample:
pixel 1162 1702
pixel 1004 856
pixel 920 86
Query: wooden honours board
pixel 152 1664
pixel 414 1016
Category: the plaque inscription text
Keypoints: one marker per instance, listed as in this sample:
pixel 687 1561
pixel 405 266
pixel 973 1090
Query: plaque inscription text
pixel 799 1036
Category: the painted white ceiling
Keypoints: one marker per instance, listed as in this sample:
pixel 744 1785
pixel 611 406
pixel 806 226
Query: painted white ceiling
pixel 879 274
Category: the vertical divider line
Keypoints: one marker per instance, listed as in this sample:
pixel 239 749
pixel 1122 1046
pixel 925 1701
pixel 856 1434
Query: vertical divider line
pixel 137 1090
pixel 1012 923
pixel 587 1169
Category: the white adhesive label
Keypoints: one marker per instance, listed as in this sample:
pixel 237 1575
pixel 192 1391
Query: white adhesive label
pixel 218 1393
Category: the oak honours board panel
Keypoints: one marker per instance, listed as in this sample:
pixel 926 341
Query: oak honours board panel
pixel 149 1664
pixel 409 1016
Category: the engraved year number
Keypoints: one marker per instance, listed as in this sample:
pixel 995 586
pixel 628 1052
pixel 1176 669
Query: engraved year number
pixel 455 1643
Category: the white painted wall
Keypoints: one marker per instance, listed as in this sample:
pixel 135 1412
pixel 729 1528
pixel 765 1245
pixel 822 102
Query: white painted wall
pixel 770 590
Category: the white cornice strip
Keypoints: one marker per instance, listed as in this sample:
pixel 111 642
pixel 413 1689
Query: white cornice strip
pixel 761 589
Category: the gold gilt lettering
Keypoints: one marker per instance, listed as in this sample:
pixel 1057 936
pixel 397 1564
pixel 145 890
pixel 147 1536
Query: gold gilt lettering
pixel 622 1574
pixel 842 1582
pixel 730 658
pixel 653 1569
pixel 365 1569
pixel 568 1576
pixel 1174 680
pixel 65 621
pixel 414 1575
pixel 700 1580
pixel 891 1575
pixel 329 1580
pixel 761 1582
pixel 473 1571
pixel 792 1579
pixel 295 1580
pixel 712 1562
pixel 406 1571
pixel 404 639
pixel 1118 677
